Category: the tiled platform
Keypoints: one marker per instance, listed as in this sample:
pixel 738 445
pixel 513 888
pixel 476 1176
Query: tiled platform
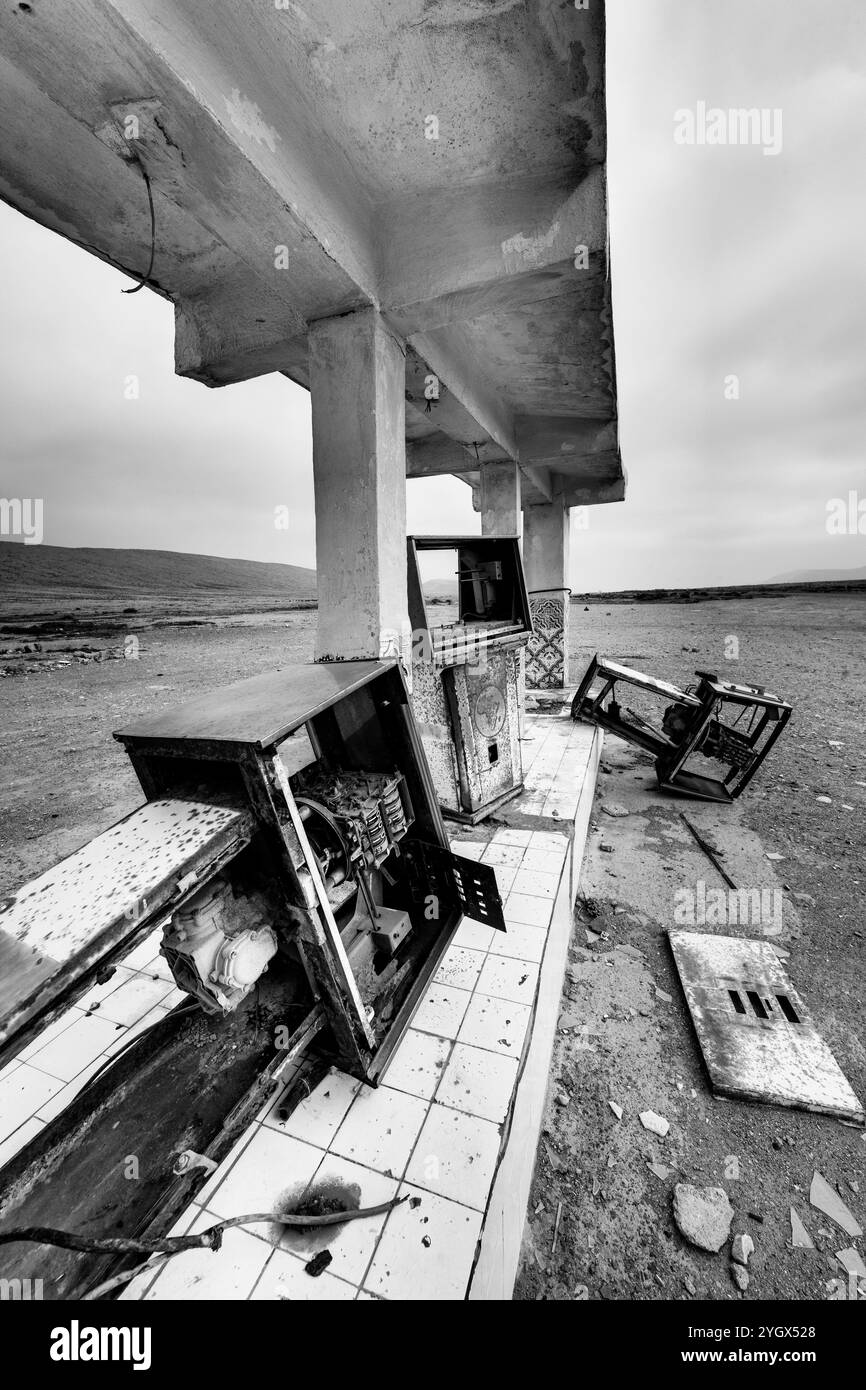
pixel 454 1125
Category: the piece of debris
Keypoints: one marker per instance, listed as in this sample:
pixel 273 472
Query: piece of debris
pixel 742 1246
pixel 703 1215
pixel 823 1196
pixel 562 1098
pixel 606 849
pixel 729 980
pixel 656 1124
pixel 834 743
pixel 690 1286
pixel 596 1185
pixel 591 936
pixel 319 1263
pixel 617 1109
pixel 615 809
pixel 800 1238
pixel 805 898
pixel 825 800
pixel 740 1277
pixel 581 1292
pixel 854 1186
pixel 776 858
pixel 663 996
pixel 556 1227
pixel 852 1262
pixel 661 1170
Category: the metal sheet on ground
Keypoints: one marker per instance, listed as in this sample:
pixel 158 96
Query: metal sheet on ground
pixel 757 1038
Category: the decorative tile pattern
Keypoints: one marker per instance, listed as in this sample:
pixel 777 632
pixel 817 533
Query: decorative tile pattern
pixel 547 652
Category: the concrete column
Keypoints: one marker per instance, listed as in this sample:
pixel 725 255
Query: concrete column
pixel 500 499
pixel 545 559
pixel 357 385
pixel 500 516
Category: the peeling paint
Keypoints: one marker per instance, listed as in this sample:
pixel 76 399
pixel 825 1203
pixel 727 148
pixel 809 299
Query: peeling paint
pixel 246 117
pixel 524 250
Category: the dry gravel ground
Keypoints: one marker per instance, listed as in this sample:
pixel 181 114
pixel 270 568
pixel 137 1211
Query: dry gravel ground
pixel 620 1042
pixel 64 780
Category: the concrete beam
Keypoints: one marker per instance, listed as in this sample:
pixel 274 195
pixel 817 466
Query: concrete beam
pixel 500 499
pixel 490 247
pixel 359 468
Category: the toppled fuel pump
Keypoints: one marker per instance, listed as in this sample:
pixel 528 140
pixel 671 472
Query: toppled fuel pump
pixel 735 725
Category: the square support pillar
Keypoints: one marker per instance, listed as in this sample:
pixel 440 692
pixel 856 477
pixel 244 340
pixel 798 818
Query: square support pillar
pixel 546 531
pixel 500 499
pixel 500 516
pixel 358 390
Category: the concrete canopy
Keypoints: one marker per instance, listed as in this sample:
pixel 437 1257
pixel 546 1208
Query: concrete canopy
pixel 442 161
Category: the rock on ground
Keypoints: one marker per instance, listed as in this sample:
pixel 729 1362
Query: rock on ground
pixel 703 1215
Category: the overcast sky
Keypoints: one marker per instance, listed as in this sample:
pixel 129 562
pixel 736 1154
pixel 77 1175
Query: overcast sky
pixel 725 261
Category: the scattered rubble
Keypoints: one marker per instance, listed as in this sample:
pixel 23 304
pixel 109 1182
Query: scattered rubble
pixel 615 809
pixel 703 1215
pixel 852 1262
pixel 617 1109
pixel 656 1124
pixel 740 1277
pixel 742 1247
pixel 827 1200
pixel 800 1238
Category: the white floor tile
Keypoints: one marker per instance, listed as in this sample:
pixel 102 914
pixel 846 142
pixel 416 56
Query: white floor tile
pixel 470 849
pixel 380 1129
pixel 553 841
pixel 99 993
pixel 475 935
pixel 478 1082
pixel 285 1278
pixel 318 1117
pixel 17 1140
pixel 49 1033
pixel 520 941
pixel 227 1273
pixel 23 1092
pixel 508 979
pixel 460 968
pixel 544 861
pixel 521 907
pixel 77 1045
pixel 59 1101
pixel 504 878
pixel 426 1250
pixel 535 884
pixel 455 1156
pixel 272 1172
pixel 441 1011
pixel 497 1024
pixel 506 836
pixel 135 998
pixel 418 1064
pixel 497 853
pixel 352 1244
pixel 144 952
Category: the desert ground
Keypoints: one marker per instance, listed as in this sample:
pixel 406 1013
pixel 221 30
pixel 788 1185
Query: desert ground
pixel 65 779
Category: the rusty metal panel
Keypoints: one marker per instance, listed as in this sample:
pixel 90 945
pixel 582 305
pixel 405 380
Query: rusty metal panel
pixel 757 1038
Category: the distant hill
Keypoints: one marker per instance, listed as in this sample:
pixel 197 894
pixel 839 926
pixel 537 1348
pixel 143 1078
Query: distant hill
pixel 46 571
pixel 819 576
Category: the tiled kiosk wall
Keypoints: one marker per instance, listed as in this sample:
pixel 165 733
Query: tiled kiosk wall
pixel 455 1124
